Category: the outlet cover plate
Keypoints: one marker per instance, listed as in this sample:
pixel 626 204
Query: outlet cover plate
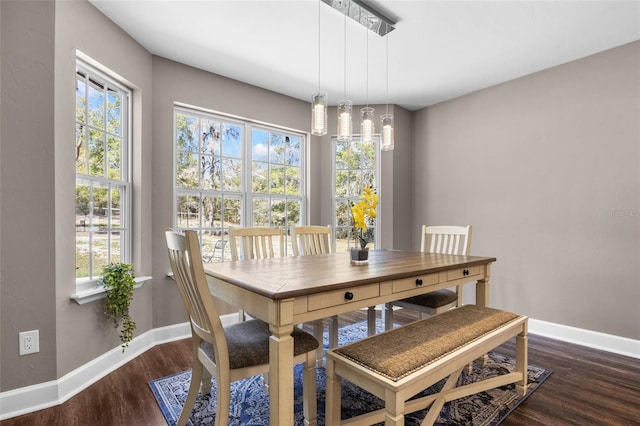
pixel 29 342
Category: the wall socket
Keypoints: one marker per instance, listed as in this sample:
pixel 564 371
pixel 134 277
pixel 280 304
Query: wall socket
pixel 29 342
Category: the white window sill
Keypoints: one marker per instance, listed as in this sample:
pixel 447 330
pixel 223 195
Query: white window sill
pixel 95 291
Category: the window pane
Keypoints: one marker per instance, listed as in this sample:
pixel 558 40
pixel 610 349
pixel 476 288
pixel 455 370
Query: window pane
pixel 293 180
pixel 260 178
pixel 81 152
pixel 114 113
pixel 261 212
pixel 232 212
pixel 211 137
pixel 277 179
pixel 187 170
pixel 116 213
pixel 231 174
pixel 259 145
pixel 100 207
pixel 187 133
pixel 278 213
pixel 96 153
pixel 231 140
pixel 99 255
pixel 188 212
pixel 293 151
pixel 114 161
pixel 277 148
pixel 81 98
pixel 115 249
pixel 212 210
pixel 96 105
pixel 210 173
pixel 293 213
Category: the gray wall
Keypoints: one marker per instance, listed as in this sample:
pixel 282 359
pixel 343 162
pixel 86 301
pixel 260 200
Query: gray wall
pixel 542 167
pixel 545 157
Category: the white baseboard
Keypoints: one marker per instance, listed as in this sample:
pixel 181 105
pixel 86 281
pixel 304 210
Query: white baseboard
pixel 25 400
pixel 36 397
pixel 593 339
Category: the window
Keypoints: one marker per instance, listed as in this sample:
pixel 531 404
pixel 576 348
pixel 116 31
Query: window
pixel 356 166
pixel 231 173
pixel 102 172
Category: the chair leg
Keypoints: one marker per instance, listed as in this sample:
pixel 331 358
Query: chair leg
pixel 371 320
pixel 223 398
pixel 333 332
pixel 309 399
pixel 196 379
pixel 388 316
pixel 318 329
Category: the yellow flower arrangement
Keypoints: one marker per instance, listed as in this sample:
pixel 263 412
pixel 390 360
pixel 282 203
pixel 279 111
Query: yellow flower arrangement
pixel 364 209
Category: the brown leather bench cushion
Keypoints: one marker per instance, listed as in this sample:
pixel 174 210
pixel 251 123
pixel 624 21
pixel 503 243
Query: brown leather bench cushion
pixel 399 352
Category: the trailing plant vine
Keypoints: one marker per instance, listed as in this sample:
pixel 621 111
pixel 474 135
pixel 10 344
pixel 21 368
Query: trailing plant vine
pixel 118 279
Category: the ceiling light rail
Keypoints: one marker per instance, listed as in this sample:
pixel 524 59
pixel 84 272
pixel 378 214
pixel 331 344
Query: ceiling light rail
pixel 364 14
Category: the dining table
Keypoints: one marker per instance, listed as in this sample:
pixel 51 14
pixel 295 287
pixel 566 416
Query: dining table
pixel 290 290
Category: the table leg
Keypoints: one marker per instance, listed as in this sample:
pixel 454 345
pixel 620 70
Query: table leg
pixel 482 288
pixel 281 365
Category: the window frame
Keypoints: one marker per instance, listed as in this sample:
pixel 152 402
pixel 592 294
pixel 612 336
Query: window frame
pixel 245 195
pixel 108 80
pixel 335 200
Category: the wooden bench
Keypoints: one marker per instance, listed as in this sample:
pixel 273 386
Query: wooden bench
pixel 402 362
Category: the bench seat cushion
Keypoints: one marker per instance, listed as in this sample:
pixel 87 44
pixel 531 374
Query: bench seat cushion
pixel 397 353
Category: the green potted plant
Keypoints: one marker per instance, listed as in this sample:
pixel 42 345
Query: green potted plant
pixel 118 279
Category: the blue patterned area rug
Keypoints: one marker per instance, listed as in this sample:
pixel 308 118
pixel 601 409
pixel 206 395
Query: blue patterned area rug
pixel 250 399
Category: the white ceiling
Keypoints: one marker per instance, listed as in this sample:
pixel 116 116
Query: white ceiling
pixel 438 51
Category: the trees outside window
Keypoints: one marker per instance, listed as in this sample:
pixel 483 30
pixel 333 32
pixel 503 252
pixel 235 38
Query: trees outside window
pixel 356 166
pixel 232 173
pixel 102 172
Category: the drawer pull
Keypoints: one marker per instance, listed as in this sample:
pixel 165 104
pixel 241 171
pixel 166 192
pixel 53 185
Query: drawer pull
pixel 348 296
pixel 465 272
pixel 418 282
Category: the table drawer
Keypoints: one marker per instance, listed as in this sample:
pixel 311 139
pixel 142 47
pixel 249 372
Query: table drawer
pixel 463 273
pixel 405 284
pixel 340 297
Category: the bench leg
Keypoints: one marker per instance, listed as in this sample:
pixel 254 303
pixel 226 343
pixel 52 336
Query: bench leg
pixel 333 390
pixel 436 406
pixel 394 409
pixel 522 362
pixel 388 317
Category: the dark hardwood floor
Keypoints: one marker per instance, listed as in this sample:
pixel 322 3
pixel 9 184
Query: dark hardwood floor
pixel 587 387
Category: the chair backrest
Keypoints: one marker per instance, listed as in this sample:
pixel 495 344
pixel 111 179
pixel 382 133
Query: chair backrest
pixel 313 239
pixel 188 271
pixel 446 239
pixel 255 242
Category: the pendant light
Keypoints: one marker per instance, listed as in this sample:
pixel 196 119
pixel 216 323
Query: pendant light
pixel 319 99
pixel 345 123
pixel 367 125
pixel 386 120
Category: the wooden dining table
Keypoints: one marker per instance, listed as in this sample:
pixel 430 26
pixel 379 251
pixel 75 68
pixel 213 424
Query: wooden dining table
pixel 291 290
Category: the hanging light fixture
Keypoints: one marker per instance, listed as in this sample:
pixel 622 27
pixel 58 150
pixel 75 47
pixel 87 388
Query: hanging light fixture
pixel 319 99
pixel 367 126
pixel 345 123
pixel 386 120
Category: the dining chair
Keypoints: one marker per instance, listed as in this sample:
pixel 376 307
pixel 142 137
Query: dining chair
pixel 436 239
pixel 256 242
pixel 316 240
pixel 228 353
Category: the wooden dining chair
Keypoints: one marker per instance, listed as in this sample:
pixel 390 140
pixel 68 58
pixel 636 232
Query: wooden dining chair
pixel 256 242
pixel 228 353
pixel 316 240
pixel 436 239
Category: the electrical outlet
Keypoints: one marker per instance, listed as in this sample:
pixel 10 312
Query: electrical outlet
pixel 29 342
